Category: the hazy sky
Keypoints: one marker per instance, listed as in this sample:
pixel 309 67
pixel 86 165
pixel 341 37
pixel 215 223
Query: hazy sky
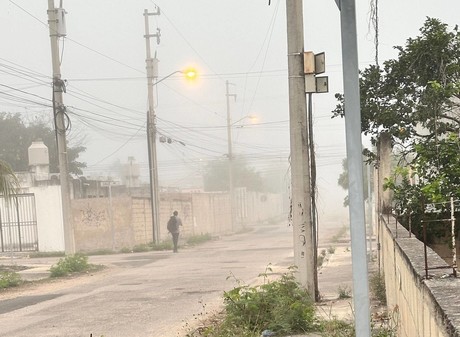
pixel 240 41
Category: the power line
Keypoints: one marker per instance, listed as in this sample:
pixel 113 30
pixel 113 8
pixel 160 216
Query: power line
pixel 78 43
pixel 119 148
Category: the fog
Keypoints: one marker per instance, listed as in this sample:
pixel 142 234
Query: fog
pixel 243 42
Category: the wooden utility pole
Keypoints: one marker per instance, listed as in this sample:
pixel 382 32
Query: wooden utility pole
pixel 300 160
pixel 57 29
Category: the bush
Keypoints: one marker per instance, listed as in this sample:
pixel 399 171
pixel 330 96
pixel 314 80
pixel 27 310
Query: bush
pixel 282 306
pixel 70 264
pixel 377 285
pixel 320 261
pixel 9 279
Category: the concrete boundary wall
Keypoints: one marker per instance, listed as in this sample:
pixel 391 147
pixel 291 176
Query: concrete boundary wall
pixel 425 307
pixel 129 222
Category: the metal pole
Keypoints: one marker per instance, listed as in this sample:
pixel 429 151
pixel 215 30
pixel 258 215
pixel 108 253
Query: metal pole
pixel 60 125
pixel 300 159
pixel 313 192
pixel 231 188
pixel 111 216
pixel 369 209
pixel 355 167
pixel 425 250
pixel 151 135
pixel 454 247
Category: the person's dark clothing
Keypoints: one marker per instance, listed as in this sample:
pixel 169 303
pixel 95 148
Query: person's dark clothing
pixel 175 232
pixel 175 237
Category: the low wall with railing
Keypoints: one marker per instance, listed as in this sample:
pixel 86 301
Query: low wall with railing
pixel 425 307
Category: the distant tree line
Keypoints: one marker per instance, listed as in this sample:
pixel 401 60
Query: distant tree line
pixel 16 136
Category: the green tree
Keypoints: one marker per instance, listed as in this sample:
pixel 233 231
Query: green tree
pixel 415 99
pixel 412 97
pixel 16 137
pixel 342 181
pixel 216 176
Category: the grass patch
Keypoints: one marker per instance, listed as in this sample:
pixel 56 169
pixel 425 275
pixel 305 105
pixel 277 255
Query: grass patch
pixel 46 254
pixel 198 239
pixel 320 260
pixel 9 279
pixel 377 285
pixel 331 250
pixel 100 252
pixel 337 328
pixel 77 263
pixel 344 292
pixel 142 248
pixel 163 245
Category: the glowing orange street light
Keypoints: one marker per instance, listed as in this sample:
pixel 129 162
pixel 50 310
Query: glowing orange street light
pixel 190 74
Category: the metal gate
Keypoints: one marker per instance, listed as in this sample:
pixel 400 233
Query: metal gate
pixel 18 224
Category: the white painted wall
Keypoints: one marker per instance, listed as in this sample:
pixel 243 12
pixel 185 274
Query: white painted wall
pixel 49 218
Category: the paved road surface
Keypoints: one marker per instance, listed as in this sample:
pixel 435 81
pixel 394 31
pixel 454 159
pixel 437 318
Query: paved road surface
pixel 146 294
pixel 161 294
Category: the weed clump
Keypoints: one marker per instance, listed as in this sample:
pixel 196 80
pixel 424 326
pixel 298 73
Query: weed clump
pixel 197 239
pixel 70 264
pixel 9 279
pixel 141 248
pixel 344 292
pixel 377 285
pixel 282 306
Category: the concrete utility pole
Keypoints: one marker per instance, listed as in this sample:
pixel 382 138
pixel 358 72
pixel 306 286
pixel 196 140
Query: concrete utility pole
pixel 300 159
pixel 355 166
pixel 152 74
pixel 231 187
pixel 57 29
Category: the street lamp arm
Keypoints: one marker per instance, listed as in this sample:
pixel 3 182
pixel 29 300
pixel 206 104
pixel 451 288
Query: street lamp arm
pixel 168 76
pixel 239 120
pixel 190 74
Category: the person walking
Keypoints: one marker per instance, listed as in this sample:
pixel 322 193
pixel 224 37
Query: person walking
pixel 174 223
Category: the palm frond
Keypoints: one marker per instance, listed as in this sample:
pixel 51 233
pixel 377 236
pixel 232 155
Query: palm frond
pixel 9 183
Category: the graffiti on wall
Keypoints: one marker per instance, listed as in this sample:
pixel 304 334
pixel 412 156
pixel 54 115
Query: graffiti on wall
pixel 92 217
